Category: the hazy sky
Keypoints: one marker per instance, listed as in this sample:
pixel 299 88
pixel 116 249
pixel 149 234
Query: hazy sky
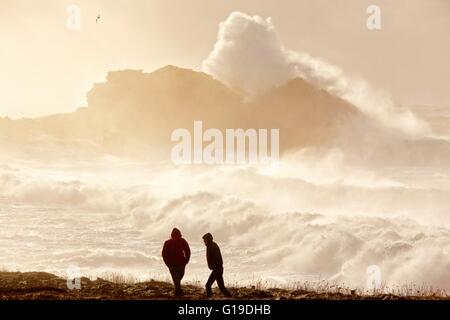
pixel 46 68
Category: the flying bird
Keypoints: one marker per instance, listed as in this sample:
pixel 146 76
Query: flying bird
pixel 98 18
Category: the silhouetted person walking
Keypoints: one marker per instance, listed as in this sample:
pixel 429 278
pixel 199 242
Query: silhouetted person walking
pixel 176 254
pixel 215 263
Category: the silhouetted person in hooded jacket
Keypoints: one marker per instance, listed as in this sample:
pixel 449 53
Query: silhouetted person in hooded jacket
pixel 176 254
pixel 215 263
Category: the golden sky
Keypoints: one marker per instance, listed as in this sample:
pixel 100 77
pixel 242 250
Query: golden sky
pixel 46 68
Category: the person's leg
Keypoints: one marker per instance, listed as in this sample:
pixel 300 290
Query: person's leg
pixel 175 273
pixel 220 282
pixel 209 283
pixel 182 270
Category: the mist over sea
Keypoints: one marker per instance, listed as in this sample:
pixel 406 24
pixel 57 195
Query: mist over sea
pixel 313 218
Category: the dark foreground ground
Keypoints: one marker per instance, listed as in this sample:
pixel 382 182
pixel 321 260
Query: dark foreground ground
pixel 45 286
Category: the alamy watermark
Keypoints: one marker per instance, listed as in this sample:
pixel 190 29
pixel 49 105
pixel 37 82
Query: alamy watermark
pixel 231 146
pixel 374 19
pixel 373 282
pixel 73 278
pixel 73 21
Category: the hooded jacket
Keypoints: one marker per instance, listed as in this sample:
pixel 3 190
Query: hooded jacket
pixel 176 251
pixel 213 256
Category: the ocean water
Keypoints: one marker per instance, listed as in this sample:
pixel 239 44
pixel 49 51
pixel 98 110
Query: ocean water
pixel 278 227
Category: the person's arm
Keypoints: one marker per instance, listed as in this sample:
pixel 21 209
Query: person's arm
pixel 209 257
pixel 214 257
pixel 164 254
pixel 187 251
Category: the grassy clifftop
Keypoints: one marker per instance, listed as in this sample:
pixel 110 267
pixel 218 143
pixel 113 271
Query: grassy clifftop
pixel 37 285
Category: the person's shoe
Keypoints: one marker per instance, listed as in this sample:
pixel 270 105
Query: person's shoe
pixel 209 293
pixel 227 294
pixel 179 293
